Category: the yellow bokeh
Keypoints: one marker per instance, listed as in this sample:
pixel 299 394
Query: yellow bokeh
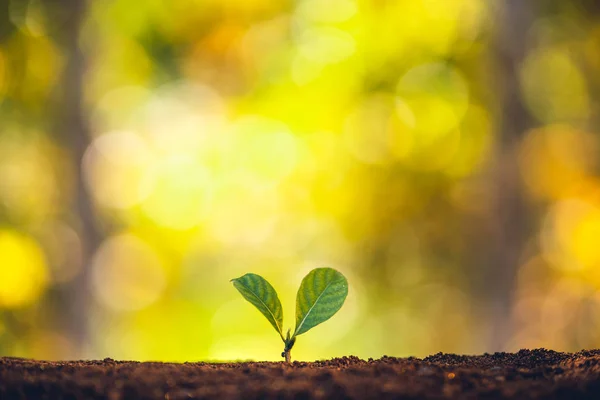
pixel 554 87
pixel 584 242
pixel 425 130
pixel 30 188
pixel 127 274
pixel 23 270
pixel 119 62
pixel 556 159
pixel 475 145
pixel 327 12
pixel 570 238
pixel 366 129
pixel 399 26
pixel 406 143
pixel 114 166
pixel 40 68
pixel 179 192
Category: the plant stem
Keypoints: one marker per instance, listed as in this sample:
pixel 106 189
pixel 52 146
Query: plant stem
pixel 289 343
pixel 288 356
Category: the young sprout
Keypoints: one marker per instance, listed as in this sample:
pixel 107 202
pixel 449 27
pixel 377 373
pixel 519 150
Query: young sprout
pixel 322 293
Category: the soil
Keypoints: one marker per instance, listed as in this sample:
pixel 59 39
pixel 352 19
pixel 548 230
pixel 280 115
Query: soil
pixel 528 374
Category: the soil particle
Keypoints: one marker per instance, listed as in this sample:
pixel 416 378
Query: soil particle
pixel 527 374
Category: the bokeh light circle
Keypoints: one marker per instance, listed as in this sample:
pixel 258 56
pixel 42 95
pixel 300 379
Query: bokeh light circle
pixel 432 100
pixel 114 165
pixel 127 274
pixel 23 270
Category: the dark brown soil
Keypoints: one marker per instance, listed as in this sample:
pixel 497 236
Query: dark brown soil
pixel 528 374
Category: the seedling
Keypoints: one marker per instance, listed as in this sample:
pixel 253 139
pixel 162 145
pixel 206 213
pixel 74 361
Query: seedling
pixel 322 293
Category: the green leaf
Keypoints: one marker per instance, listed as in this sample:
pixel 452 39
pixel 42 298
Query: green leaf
pixel 322 293
pixel 259 292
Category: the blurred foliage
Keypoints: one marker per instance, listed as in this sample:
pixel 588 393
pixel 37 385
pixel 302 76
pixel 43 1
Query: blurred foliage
pixel 276 137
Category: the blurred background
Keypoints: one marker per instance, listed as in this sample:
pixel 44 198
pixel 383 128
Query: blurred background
pixel 442 154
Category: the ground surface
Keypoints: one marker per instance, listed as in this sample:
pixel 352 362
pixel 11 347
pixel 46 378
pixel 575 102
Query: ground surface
pixel 538 374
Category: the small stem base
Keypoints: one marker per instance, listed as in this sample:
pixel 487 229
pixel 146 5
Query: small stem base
pixel 288 356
